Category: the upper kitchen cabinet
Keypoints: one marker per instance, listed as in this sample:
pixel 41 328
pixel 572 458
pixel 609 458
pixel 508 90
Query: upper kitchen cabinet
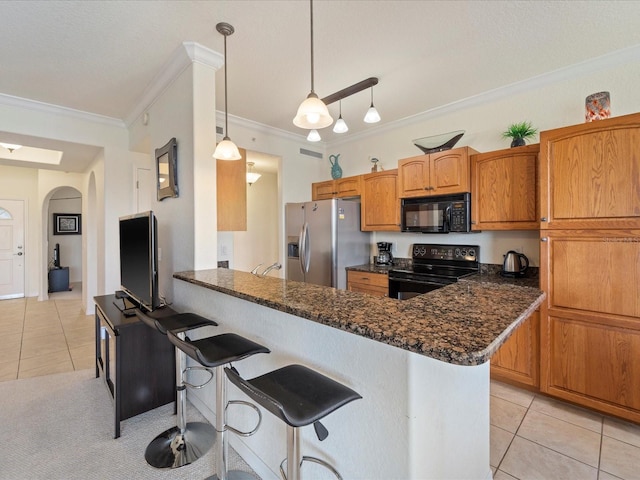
pixel 380 209
pixel 231 194
pixel 439 173
pixel 340 188
pixel 590 175
pixel 504 189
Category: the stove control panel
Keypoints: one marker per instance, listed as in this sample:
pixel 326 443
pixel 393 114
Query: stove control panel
pixel 429 251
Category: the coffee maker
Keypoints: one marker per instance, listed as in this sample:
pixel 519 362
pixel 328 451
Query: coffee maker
pixel 384 254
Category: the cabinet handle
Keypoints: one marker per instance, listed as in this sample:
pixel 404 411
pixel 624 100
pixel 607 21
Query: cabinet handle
pixel 543 219
pixel 544 239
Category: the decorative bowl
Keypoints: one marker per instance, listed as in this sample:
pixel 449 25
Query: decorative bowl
pixel 438 143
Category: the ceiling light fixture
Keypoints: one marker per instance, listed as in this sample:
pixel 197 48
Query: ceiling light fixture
pixel 252 177
pixel 372 115
pixel 341 125
pixel 11 146
pixel 312 112
pixel 313 136
pixel 226 149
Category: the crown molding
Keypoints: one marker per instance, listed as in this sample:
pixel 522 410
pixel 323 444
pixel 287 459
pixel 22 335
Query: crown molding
pixel 181 59
pixel 259 127
pixel 49 108
pixel 598 64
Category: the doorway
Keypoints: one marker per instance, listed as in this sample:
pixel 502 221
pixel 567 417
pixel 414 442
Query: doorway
pixel 12 251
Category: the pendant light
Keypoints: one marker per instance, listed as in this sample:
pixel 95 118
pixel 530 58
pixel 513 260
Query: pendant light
pixel 372 115
pixel 226 149
pixel 341 125
pixel 252 177
pixel 312 112
pixel 313 136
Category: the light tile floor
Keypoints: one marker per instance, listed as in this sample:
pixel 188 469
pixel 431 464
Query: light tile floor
pixel 537 437
pixel 532 436
pixel 41 338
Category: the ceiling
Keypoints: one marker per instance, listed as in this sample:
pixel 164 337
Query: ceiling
pixel 100 56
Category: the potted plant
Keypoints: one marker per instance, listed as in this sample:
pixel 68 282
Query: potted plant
pixel 519 132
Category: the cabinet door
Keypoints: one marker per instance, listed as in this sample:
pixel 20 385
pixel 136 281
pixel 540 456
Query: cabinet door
pixel 518 358
pixel 380 209
pixel 590 335
pixel 504 189
pixel 589 175
pixel 449 172
pixel 413 176
pixel 348 186
pixel 323 190
pixel 231 193
pixel 372 283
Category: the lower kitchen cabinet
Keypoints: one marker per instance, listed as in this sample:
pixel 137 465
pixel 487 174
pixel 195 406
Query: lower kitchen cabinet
pixel 518 358
pixel 372 283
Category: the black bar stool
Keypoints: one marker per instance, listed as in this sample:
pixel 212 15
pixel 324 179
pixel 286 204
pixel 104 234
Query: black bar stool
pixel 186 442
pixel 298 396
pixel 215 352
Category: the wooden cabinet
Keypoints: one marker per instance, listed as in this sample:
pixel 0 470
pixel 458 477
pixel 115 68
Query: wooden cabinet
pixel 504 189
pixel 340 188
pixel 590 175
pixel 380 209
pixel 372 283
pixel 231 194
pixel 518 358
pixel 439 173
pixel 590 321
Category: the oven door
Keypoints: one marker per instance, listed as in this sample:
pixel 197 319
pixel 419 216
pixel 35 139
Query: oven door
pixel 405 288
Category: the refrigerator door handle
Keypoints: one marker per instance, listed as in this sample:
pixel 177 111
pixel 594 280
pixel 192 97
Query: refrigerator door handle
pixel 301 248
pixel 305 248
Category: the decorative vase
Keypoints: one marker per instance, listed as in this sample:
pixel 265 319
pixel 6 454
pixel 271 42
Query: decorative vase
pixel 597 107
pixel 336 170
pixel 518 142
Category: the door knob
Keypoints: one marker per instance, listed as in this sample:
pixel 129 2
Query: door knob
pixel 19 253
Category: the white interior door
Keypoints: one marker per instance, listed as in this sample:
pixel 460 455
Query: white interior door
pixel 12 251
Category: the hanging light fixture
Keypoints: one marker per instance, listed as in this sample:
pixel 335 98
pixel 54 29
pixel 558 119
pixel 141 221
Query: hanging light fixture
pixel 226 149
pixel 252 177
pixel 313 136
pixel 341 125
pixel 372 115
pixel 312 112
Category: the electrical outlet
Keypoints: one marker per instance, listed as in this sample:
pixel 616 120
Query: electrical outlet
pixel 225 250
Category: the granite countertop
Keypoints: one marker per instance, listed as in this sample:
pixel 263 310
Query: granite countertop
pixel 463 323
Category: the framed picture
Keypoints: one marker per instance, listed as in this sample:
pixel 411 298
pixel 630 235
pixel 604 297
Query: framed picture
pixel 67 224
pixel 166 166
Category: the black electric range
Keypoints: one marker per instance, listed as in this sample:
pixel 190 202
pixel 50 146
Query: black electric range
pixel 433 266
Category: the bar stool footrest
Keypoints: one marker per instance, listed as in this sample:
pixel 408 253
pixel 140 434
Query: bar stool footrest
pixel 322 463
pixel 246 404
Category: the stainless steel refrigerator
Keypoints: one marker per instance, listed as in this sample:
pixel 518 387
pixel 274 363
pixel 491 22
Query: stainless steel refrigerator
pixel 323 238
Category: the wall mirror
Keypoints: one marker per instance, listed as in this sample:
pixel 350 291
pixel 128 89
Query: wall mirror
pixel 166 165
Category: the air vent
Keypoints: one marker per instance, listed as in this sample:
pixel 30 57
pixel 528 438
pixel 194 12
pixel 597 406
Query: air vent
pixel 309 153
pixel 219 130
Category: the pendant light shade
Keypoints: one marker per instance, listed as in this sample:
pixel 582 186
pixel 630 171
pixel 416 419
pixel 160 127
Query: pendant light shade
pixel 341 125
pixel 226 149
pixel 313 136
pixel 372 115
pixel 252 177
pixel 312 112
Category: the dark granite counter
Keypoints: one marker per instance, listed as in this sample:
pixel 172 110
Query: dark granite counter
pixel 464 323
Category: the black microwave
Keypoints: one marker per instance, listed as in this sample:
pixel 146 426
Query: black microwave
pixel 437 214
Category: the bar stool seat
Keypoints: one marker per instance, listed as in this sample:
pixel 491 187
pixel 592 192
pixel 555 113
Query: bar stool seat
pixel 215 352
pixel 186 442
pixel 299 396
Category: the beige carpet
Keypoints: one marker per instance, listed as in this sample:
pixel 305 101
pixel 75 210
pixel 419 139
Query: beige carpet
pixel 61 427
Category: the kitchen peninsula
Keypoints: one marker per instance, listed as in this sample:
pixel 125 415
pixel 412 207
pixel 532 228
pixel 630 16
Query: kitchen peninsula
pixel 421 366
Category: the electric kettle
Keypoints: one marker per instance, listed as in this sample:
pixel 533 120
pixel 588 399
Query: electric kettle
pixel 515 264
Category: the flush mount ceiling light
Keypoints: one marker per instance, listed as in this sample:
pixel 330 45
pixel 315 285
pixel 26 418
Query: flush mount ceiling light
pixel 252 177
pixel 226 149
pixel 313 136
pixel 341 125
pixel 372 115
pixel 10 146
pixel 312 112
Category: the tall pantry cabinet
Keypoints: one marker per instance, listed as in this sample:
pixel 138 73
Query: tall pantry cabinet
pixel 590 264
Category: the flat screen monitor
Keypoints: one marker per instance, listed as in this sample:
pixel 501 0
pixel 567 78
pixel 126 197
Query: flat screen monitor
pixel 139 259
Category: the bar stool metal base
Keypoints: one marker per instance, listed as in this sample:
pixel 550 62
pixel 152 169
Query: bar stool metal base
pixel 234 475
pixel 172 449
